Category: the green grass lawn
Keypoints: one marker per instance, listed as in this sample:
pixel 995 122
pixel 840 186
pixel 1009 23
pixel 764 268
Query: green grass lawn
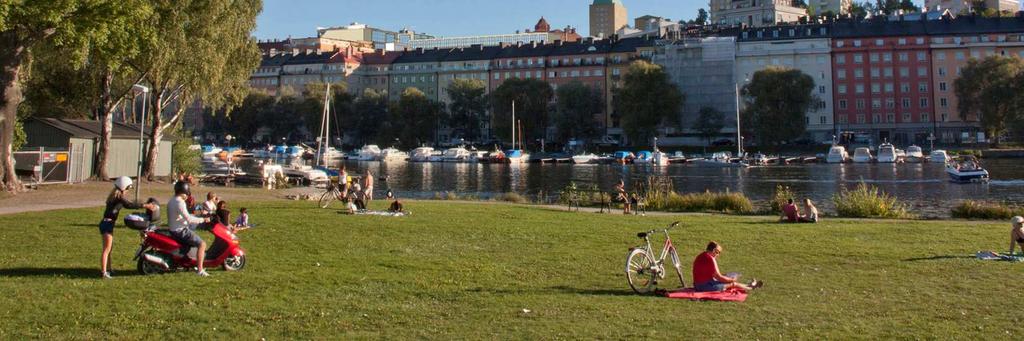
pixel 460 270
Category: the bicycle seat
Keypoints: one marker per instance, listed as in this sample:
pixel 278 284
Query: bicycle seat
pixel 641 235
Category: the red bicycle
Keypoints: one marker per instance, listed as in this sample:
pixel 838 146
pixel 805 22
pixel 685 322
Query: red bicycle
pixel 643 270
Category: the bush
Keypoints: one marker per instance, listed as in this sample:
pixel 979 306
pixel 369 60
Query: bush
pixel 511 197
pixel 183 159
pixel 701 202
pixel 970 209
pixel 782 194
pixel 868 202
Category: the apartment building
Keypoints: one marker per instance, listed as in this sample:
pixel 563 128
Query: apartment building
pixel 704 70
pixel 755 13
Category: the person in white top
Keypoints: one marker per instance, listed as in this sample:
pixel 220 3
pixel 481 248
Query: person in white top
pixel 1017 233
pixel 210 205
pixel 181 224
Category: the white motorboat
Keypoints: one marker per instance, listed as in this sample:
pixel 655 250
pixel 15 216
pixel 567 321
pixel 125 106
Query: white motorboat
pixel 721 160
pixel 966 169
pixel 210 151
pixel 938 156
pixel 886 153
pixel 330 153
pixel 584 158
pixel 759 159
pixel 369 152
pixel 862 155
pixel 516 156
pixel 392 154
pixel 914 154
pixel 478 156
pixel 837 154
pixel 457 154
pixel 421 154
pixel 306 174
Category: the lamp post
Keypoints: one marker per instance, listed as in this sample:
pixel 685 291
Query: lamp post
pixel 142 136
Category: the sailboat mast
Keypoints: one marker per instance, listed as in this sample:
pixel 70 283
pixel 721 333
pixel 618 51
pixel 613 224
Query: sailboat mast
pixel 513 125
pixel 321 149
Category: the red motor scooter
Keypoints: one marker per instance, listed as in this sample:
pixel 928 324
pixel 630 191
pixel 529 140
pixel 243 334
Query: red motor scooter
pixel 160 252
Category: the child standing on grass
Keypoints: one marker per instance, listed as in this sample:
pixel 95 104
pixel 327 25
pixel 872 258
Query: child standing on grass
pixel 115 202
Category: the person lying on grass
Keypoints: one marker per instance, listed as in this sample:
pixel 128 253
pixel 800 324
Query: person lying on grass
pixel 1017 233
pixel 706 276
pixel 790 213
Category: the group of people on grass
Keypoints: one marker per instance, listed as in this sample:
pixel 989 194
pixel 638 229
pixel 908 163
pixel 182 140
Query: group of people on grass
pixel 183 218
pixel 358 192
pixel 793 214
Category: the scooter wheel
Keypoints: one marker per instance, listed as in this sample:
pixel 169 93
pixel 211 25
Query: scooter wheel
pixel 234 263
pixel 147 268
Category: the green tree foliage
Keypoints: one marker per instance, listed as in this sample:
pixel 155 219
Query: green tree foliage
pixel 415 118
pixel 702 17
pixel 71 25
pixel 185 160
pixel 531 97
pixel 908 6
pixel 202 50
pixel 777 100
pixel 577 105
pixel 646 100
pixel 467 108
pixel 709 124
pixel 990 90
pixel 859 10
pixel 369 119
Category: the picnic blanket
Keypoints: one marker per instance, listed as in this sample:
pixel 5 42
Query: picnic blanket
pixel 730 295
pixel 383 213
pixel 989 255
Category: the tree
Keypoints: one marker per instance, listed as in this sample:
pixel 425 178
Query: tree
pixel 313 107
pixel 370 118
pixel 646 100
pixel 858 11
pixel 577 105
pixel 777 100
pixel 799 4
pixel 468 107
pixel 709 124
pixel 908 6
pixel 702 17
pixel 245 121
pixel 531 97
pixel 72 25
pixel 990 89
pixel 284 118
pixel 202 50
pixel 887 7
pixel 415 118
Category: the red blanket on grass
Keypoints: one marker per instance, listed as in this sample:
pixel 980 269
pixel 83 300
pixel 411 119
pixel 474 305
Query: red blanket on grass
pixel 730 295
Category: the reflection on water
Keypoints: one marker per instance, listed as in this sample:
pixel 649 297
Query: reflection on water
pixel 924 186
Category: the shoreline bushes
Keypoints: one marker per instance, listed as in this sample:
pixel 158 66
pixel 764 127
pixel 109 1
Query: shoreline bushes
pixel 970 209
pixel 867 201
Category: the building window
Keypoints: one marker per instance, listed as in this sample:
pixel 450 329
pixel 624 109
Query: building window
pixel 822 120
pixel 839 43
pixel 940 55
pixel 922 87
pixel 903 41
pixel 888 87
pixel 942 86
pixel 879 42
pixel 876 72
pixel 887 57
pixel 919 41
pixel 860 104
pixel 906 103
pixel 904 57
pixel 859 88
pixel 922 71
pixel 921 56
pixel 943 102
pixel 858 58
pixel 874 57
pixel 904 87
pixel 959 55
pixel 497 76
pixel 876 88
pixel 876 118
pixel 904 72
pixel 887 72
pixel 924 102
pixel 858 73
pixel 876 104
pixel 856 43
pixel 924 117
pixel 821 89
pixel 551 74
pixel 842 104
pixel 842 119
pixel 841 74
pixel 840 59
pixel 942 72
pixel 890 103
pixel 860 119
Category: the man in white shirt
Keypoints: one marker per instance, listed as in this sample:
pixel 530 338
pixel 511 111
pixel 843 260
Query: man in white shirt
pixel 181 224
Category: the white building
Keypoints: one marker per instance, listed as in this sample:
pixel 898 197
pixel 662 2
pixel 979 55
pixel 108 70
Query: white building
pixel 755 13
pixel 964 6
pixel 805 48
pixel 467 41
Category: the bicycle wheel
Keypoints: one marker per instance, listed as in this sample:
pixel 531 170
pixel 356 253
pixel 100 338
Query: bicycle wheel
pixel 678 265
pixel 326 198
pixel 640 271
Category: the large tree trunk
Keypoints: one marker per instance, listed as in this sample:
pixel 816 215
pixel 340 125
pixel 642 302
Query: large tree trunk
pixel 12 54
pixel 155 132
pixel 106 117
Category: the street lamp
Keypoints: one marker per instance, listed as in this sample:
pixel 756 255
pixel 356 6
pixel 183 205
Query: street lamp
pixel 142 125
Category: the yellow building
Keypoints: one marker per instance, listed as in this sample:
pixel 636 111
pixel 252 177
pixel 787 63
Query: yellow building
pixel 606 17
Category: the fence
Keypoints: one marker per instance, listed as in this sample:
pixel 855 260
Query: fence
pixel 47 167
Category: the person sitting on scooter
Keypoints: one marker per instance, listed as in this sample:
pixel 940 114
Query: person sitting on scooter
pixel 181 224
pixel 115 202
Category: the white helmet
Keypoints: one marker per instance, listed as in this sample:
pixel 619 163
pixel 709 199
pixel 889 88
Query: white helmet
pixel 1017 221
pixel 123 183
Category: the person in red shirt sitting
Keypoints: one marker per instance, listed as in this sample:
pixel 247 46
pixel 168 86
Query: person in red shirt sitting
pixel 790 213
pixel 706 276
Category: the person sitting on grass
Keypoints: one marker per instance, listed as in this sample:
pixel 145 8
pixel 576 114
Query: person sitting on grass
pixel 1017 234
pixel 243 218
pixel 810 212
pixel 790 213
pixel 707 278
pixel 621 196
pixel 222 215
pixel 350 205
pixel 396 207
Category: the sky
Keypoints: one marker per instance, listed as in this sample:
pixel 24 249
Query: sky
pixel 300 18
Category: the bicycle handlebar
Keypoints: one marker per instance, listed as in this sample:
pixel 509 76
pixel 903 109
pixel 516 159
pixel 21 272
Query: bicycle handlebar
pixel 670 226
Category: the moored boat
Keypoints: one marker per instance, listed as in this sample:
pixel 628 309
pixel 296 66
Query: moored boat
pixel 938 156
pixel 837 154
pixel 584 158
pixel 966 169
pixel 862 155
pixel 914 154
pixel 392 154
pixel 421 154
pixel 369 152
pixel 886 153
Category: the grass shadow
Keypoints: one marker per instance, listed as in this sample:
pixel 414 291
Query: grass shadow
pixel 556 290
pixel 941 257
pixel 59 272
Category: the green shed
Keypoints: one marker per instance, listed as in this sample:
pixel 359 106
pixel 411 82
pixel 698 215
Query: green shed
pixel 81 137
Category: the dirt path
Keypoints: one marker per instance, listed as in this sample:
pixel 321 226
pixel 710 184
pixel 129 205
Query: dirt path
pixel 92 194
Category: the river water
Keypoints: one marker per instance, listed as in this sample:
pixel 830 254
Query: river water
pixel 924 187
